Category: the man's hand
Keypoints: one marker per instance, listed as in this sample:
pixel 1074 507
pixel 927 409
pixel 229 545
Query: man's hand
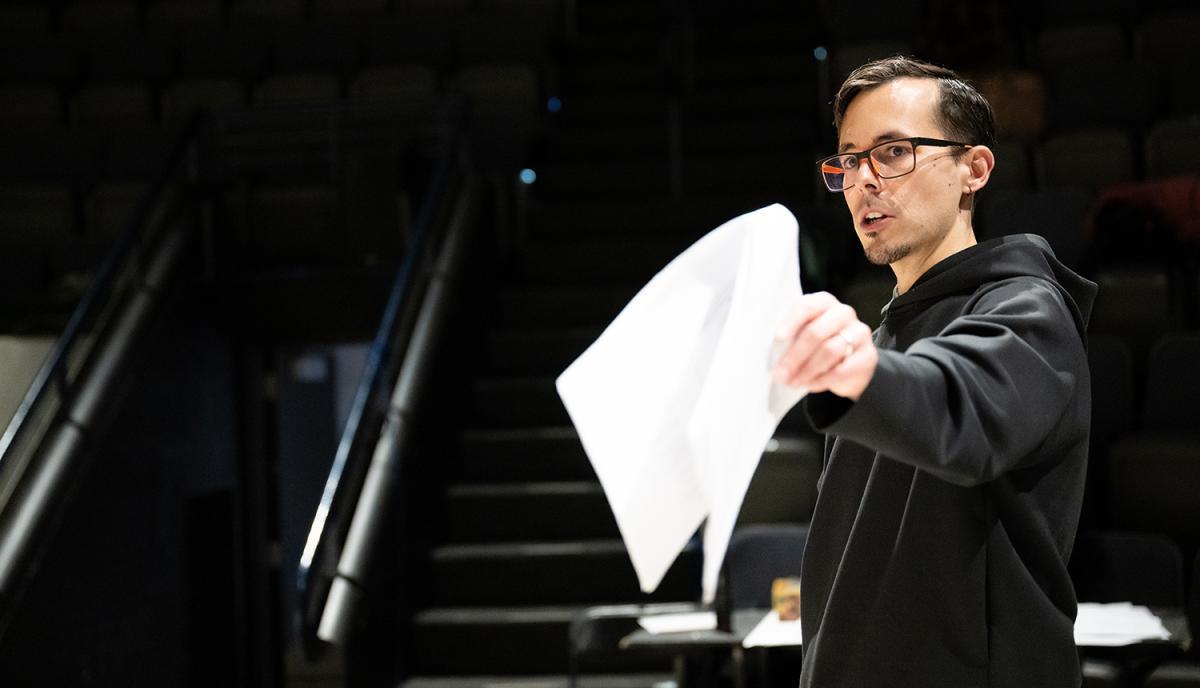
pixel 827 348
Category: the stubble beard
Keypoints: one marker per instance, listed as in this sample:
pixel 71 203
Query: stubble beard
pixel 886 255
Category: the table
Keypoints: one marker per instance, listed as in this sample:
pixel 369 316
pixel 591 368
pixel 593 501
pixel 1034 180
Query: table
pixel 694 650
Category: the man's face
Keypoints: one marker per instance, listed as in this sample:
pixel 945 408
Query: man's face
pixel 918 209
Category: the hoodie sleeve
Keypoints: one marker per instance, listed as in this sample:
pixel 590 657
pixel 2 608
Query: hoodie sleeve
pixel 977 399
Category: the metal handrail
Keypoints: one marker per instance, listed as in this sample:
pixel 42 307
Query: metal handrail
pixel 318 568
pixel 35 478
pixel 54 366
pixel 346 592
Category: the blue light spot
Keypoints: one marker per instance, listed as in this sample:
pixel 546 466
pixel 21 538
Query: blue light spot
pixel 820 53
pixel 554 104
pixel 528 176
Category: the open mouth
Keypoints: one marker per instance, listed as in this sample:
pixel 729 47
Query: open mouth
pixel 873 218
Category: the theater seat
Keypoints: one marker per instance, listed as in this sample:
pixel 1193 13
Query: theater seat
pixel 1184 674
pixel 405 83
pixel 294 89
pixel 181 98
pixel 1090 159
pixel 1134 303
pixel 758 555
pixel 1172 147
pixel 172 18
pixel 113 107
pixel 1122 566
pixel 1142 568
pixel 30 108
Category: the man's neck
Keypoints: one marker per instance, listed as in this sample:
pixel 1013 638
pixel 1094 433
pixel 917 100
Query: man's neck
pixel 910 268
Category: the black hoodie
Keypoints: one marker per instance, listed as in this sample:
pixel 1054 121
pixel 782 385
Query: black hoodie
pixel 951 489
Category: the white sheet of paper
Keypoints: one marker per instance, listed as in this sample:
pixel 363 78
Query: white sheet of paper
pixel 1116 624
pixel 774 632
pixel 674 402
pixel 678 623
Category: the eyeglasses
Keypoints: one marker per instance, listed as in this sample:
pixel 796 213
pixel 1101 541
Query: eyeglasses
pixel 888 160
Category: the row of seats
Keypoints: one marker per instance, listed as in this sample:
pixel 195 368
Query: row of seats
pixel 251 54
pixel 1031 102
pixel 1092 159
pixel 45 215
pixel 1089 159
pixel 131 105
pixel 1145 465
pixel 97 17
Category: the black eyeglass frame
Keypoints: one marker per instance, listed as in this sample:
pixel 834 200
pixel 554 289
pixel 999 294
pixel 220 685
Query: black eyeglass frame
pixel 860 155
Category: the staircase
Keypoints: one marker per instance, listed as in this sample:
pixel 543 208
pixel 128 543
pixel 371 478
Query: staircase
pixel 529 538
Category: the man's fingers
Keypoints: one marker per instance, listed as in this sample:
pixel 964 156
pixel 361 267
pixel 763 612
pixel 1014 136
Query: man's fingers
pixel 807 307
pixel 817 346
pixel 850 375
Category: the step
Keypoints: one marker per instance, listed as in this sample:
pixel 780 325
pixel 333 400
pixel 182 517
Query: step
pixel 561 306
pixel 535 352
pixel 532 511
pixel 503 641
pixel 491 640
pixel 660 680
pixel 522 454
pixel 516 401
pixel 542 573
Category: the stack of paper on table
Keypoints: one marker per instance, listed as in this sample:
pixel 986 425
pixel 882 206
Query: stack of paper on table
pixel 774 632
pixel 674 403
pixel 1121 623
pixel 679 622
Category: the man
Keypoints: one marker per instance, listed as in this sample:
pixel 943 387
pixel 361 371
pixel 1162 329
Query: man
pixel 957 436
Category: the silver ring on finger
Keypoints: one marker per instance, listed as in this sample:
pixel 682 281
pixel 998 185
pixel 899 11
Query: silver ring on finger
pixel 849 344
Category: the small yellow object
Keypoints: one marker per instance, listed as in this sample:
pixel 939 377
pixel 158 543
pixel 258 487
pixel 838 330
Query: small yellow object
pixel 785 598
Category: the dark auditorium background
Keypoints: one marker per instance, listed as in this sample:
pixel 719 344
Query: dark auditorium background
pixel 286 284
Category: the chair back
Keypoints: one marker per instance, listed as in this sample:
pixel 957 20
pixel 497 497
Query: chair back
pixel 758 555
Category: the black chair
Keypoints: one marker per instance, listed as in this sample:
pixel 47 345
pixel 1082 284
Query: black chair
pixel 1184 674
pixel 1116 566
pixel 1155 475
pixel 759 554
pixel 1058 215
pixel 1169 144
pixel 1078 96
pixel 1134 303
pixel 1173 385
pixel 1156 43
pixel 1091 159
pixel 1142 568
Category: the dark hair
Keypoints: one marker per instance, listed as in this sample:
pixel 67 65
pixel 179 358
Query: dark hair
pixel 963 113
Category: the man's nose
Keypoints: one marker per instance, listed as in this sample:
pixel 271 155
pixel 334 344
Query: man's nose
pixel 867 175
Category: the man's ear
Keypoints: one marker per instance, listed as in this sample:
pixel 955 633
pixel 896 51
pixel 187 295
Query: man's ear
pixel 980 162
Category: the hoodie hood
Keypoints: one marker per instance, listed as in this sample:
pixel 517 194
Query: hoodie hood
pixel 1017 255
